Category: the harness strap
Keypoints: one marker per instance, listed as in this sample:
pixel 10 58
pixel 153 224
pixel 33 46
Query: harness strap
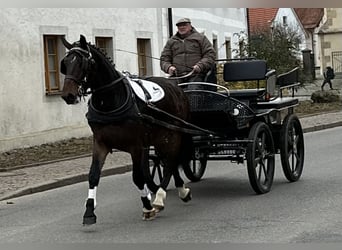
pixel 147 95
pixel 108 85
pixel 205 131
pixel 173 127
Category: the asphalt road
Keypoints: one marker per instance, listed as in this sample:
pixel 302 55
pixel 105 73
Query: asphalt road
pixel 224 207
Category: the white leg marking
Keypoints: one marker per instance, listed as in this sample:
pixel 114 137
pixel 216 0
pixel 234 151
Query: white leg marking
pixel 146 192
pixel 183 192
pixel 92 195
pixel 160 197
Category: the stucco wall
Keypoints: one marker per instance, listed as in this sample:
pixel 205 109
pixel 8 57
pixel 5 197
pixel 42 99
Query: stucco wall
pixel 27 115
pixel 295 25
pixel 330 36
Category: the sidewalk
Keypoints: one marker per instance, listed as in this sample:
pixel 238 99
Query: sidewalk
pixel 57 174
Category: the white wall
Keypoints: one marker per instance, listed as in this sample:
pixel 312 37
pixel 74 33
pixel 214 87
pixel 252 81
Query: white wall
pixel 295 24
pixel 27 115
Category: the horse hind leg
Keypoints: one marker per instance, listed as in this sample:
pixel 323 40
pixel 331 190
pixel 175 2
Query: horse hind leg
pixel 140 161
pixel 149 212
pixel 184 192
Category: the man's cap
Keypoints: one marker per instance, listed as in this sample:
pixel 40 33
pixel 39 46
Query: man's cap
pixel 183 20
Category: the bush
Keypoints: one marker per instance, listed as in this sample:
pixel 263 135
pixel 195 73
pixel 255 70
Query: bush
pixel 324 96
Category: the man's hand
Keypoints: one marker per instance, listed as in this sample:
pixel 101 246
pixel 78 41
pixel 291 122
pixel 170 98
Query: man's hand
pixel 172 70
pixel 196 68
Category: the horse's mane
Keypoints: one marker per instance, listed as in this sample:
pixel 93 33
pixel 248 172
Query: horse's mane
pixel 103 53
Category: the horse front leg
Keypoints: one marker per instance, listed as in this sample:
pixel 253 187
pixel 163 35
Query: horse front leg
pixel 99 156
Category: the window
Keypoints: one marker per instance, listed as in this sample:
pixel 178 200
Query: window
pixel 53 53
pixel 285 20
pixel 106 44
pixel 228 50
pixel 144 57
pixel 215 46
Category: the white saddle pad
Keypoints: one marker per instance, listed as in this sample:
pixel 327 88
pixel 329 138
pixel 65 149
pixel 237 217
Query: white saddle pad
pixel 155 91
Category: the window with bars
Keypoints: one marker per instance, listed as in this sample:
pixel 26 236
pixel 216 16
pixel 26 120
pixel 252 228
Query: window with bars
pixel 53 53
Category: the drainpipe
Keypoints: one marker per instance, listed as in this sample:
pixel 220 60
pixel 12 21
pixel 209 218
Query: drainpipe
pixel 169 17
pixel 248 31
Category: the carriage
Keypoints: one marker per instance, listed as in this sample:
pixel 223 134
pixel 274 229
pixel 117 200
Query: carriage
pixel 241 125
pixel 163 125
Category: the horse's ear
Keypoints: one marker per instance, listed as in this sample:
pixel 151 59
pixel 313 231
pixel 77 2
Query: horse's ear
pixel 83 41
pixel 66 43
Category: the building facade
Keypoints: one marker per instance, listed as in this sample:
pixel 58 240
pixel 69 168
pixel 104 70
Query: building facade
pixel 31 109
pixel 330 37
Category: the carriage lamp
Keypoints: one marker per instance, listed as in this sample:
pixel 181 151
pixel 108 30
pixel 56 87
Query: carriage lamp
pixel 236 112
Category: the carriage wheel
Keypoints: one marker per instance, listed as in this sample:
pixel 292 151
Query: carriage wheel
pixel 260 158
pixel 194 171
pixel 156 169
pixel 292 148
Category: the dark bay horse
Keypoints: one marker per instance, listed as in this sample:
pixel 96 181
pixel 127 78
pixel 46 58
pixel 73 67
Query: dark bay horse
pixel 118 121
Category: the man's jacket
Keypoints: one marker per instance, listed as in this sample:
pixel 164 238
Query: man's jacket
pixel 184 53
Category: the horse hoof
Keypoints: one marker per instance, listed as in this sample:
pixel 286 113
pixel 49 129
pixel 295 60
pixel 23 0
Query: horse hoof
pixel 158 208
pixel 187 198
pixel 149 214
pixel 89 220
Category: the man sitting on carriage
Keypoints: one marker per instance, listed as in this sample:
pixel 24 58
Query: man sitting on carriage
pixel 186 51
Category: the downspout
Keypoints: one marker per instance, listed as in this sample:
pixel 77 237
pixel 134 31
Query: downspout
pixel 169 17
pixel 248 31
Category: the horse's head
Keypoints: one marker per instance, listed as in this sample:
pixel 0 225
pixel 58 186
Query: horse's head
pixel 76 66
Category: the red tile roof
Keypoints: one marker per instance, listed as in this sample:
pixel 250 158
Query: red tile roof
pixel 309 17
pixel 260 18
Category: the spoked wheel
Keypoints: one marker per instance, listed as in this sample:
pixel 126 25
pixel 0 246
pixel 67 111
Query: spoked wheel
pixel 260 158
pixel 156 169
pixel 194 171
pixel 292 148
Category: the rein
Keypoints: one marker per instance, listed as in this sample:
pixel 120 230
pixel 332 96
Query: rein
pixel 193 128
pixel 107 86
pixel 129 107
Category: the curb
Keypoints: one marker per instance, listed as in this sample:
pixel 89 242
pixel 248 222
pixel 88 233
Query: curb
pixel 322 127
pixel 64 181
pixel 70 180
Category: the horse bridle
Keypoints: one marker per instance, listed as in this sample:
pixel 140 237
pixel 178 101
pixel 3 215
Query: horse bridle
pixel 87 62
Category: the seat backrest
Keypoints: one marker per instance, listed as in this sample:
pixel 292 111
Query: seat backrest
pixel 288 78
pixel 245 70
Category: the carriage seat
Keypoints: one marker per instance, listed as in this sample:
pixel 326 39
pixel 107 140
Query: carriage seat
pixel 278 103
pixel 288 80
pixel 249 70
pixel 246 93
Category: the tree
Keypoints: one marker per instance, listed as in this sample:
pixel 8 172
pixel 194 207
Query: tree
pixel 278 46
